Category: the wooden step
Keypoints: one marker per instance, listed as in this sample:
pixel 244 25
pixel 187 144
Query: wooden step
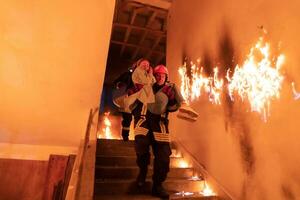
pixel 118 148
pixel 121 186
pixel 107 172
pixel 121 151
pixel 149 197
pixel 127 161
pixel 115 142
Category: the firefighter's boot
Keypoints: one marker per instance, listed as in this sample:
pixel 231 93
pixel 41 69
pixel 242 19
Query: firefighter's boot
pixel 141 178
pixel 125 134
pixel 159 191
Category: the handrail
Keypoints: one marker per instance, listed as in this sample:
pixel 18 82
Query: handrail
pixel 204 172
pixel 76 176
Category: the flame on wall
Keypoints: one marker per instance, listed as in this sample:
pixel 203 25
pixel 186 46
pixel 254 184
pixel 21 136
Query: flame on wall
pixel 258 80
pixel 192 88
pixel 296 94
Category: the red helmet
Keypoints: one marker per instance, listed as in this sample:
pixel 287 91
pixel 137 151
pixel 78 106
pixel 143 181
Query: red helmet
pixel 160 69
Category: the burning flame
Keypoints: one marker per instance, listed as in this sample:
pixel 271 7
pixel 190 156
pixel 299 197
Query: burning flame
pixel 192 87
pixel 183 164
pixel 106 131
pixel 195 178
pixel 176 154
pixel 296 94
pixel 183 193
pixel 258 80
pixel 207 191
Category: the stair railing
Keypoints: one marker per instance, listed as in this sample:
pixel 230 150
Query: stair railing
pixel 198 167
pixel 81 184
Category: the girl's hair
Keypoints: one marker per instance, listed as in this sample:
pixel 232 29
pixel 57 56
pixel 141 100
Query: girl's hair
pixel 135 64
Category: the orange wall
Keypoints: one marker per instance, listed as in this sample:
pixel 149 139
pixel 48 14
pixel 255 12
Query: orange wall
pixel 250 158
pixel 53 57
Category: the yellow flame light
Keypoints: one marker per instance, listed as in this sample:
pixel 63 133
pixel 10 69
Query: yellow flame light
pixel 183 164
pixel 183 193
pixel 192 87
pixel 195 178
pixel 176 154
pixel 296 94
pixel 106 130
pixel 207 191
pixel 257 80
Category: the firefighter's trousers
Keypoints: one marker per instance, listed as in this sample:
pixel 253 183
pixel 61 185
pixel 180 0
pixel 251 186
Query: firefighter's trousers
pixel 126 121
pixel 153 132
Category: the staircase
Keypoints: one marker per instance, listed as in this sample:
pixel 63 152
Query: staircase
pixel 116 171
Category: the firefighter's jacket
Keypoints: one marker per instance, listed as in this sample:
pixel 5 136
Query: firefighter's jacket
pixel 163 103
pixel 153 117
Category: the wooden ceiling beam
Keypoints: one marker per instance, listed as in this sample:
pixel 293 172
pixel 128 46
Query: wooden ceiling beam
pixel 149 5
pixel 153 47
pixel 128 30
pixel 136 51
pixel 163 33
pixel 135 46
pixel 148 23
pixel 151 18
pixel 160 59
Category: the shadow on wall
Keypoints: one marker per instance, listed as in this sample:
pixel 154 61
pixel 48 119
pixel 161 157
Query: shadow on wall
pixel 236 121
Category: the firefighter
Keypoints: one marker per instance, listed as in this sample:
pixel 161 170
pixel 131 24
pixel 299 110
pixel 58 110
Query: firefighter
pixel 151 129
pixel 121 85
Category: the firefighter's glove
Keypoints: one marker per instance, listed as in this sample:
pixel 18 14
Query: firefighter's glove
pixel 137 87
pixel 125 134
pixel 169 92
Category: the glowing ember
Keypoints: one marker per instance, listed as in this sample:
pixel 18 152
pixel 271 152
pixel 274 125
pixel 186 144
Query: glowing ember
pixel 106 131
pixel 296 94
pixel 195 178
pixel 183 193
pixel 192 87
pixel 207 191
pixel 257 80
pixel 176 154
pixel 183 164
